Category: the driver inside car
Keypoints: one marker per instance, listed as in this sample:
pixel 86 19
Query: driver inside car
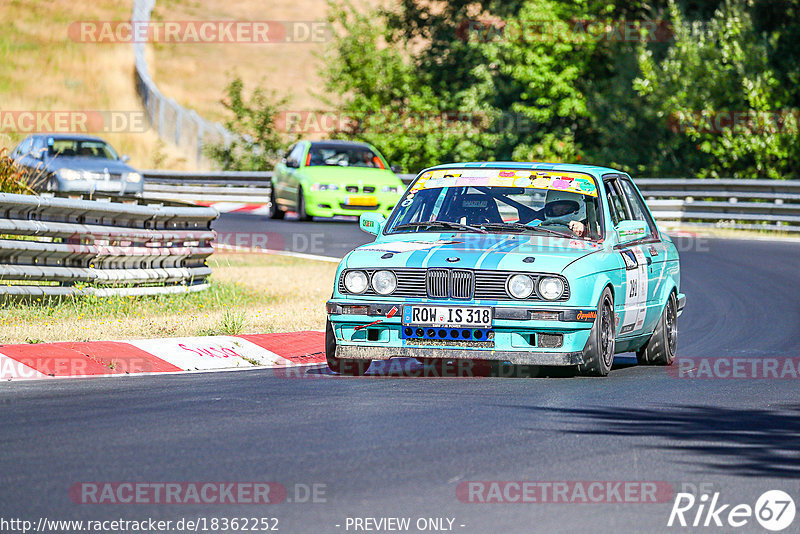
pixel 562 208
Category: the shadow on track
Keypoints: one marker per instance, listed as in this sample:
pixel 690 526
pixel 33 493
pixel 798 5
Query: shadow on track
pixel 411 368
pixel 734 441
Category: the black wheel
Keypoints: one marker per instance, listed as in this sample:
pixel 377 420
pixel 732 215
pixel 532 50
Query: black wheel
pixel 301 206
pixel 275 211
pixel 341 366
pixel 598 354
pixel 663 344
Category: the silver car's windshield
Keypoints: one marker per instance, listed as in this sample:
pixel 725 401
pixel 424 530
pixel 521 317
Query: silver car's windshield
pixel 84 148
pixel 496 200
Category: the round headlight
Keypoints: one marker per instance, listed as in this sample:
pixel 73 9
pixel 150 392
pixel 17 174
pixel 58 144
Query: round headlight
pixel 551 288
pixel 520 286
pixel 384 282
pixel 356 281
pixel 133 177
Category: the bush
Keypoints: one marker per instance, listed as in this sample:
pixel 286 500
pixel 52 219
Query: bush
pixel 257 143
pixel 12 178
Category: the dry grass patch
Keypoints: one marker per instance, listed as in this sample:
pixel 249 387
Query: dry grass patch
pixel 42 69
pixel 196 74
pixel 249 294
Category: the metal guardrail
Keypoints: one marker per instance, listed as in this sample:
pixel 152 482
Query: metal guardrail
pixel 60 247
pixel 223 186
pixel 729 203
pixel 250 187
pixel 174 123
pixel 725 203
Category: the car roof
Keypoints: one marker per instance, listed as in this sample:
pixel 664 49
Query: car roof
pixel 74 137
pixel 339 142
pixel 594 170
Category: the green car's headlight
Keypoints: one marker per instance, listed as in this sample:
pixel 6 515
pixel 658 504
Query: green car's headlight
pixel 391 189
pixel 520 286
pixel 356 281
pixel 324 187
pixel 551 288
pixel 70 174
pixel 384 282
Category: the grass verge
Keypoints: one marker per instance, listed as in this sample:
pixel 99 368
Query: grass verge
pixel 250 293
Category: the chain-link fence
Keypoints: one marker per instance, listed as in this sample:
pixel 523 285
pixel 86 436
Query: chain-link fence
pixel 174 123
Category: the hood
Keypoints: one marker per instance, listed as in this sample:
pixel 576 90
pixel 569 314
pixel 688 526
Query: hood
pixel 114 166
pixel 351 175
pixel 474 251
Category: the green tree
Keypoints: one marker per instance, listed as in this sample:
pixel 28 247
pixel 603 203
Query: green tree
pixel 257 143
pixel 534 84
pixel 720 94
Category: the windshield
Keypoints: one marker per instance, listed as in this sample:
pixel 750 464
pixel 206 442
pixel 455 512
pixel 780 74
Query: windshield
pixel 496 200
pixel 343 156
pixel 80 148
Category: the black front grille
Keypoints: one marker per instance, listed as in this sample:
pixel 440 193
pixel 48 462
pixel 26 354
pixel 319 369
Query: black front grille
pixel 357 207
pixel 369 189
pixel 437 282
pixel 461 284
pixel 351 189
pixel 454 284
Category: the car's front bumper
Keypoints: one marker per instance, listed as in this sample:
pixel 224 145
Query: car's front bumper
pixel 100 186
pixel 333 203
pixel 449 353
pixel 517 334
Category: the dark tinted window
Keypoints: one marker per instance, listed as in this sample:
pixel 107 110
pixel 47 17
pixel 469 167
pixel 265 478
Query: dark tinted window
pixel 343 156
pixel 616 205
pixel 636 203
pixel 295 153
pixel 80 148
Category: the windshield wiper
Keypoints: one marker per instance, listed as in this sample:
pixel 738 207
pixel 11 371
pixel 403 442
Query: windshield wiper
pixel 441 224
pixel 524 227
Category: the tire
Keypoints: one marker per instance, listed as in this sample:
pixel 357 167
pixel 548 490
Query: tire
pixel 598 354
pixel 662 346
pixel 275 211
pixel 342 366
pixel 301 206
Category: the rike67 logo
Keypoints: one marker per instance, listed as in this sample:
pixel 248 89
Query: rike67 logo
pixel 774 510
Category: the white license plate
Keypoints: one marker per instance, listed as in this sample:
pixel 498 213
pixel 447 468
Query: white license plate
pixel 448 316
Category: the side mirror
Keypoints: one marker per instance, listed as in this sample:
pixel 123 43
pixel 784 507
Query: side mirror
pixel 372 223
pixel 292 163
pixel 628 231
pixel 125 159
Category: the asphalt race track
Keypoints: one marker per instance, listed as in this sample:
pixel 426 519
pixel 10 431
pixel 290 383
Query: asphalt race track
pixel 398 446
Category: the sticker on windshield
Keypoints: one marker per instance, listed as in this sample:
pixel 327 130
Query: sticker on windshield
pixel 571 182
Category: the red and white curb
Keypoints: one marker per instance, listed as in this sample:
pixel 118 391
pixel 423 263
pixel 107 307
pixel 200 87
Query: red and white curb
pixel 237 207
pixel 170 355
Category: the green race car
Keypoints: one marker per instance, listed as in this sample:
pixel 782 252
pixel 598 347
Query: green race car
pixel 328 178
